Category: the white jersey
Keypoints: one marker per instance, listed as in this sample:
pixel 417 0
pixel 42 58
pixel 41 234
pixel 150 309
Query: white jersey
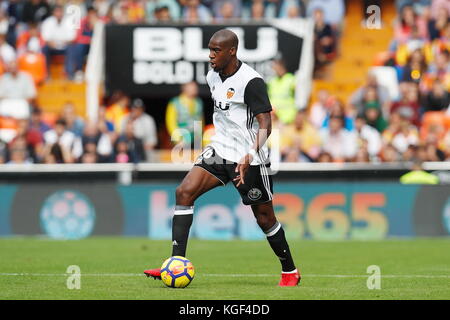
pixel 238 98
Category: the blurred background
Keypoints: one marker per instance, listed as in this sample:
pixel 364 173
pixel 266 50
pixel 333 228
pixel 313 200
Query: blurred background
pixel 93 95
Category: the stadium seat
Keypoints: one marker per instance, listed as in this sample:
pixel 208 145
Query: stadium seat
pixel 15 108
pixel 447 121
pixel 8 127
pixel 388 77
pixel 49 118
pixel 433 120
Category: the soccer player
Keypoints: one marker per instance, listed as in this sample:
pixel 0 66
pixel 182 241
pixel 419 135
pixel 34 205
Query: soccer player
pixel 237 153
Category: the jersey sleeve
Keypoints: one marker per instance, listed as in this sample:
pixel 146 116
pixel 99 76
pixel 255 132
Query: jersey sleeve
pixel 255 96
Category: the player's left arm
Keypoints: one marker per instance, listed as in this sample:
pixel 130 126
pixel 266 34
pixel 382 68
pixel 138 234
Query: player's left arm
pixel 258 101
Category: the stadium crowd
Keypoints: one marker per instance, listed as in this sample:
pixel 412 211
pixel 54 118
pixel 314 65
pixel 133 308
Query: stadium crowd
pixel 370 127
pixel 373 126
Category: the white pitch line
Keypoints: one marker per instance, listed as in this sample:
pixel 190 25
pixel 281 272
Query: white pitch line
pixel 226 275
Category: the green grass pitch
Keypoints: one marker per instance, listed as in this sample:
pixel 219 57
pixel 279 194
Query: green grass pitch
pixel 111 268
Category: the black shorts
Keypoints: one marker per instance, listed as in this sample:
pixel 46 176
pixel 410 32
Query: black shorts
pixel 258 187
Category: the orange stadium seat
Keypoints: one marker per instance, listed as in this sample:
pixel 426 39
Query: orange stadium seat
pixel 433 120
pixel 34 64
pixel 8 128
pixel 49 118
pixel 447 122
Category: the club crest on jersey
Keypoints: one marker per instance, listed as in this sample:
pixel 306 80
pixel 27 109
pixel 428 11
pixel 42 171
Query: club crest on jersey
pixel 254 194
pixel 230 93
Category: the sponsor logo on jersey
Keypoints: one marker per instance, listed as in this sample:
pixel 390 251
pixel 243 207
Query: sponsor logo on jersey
pixel 230 93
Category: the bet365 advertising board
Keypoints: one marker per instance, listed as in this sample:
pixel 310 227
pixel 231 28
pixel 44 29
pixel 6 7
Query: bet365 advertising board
pixel 331 211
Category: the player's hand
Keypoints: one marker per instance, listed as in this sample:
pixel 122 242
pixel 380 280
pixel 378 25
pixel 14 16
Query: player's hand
pixel 242 168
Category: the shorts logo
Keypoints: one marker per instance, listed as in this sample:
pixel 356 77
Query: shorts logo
pixel 254 194
pixel 230 93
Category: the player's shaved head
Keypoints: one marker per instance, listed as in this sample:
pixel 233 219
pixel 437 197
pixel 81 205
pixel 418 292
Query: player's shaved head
pixel 222 51
pixel 226 37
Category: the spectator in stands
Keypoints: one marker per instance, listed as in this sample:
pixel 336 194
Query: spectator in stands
pixel 400 133
pixel 409 105
pixel 443 42
pixel 162 10
pixel 334 10
pixel 357 98
pixel 36 122
pixel 362 155
pixel 338 141
pixel 128 147
pixel 438 99
pixel 4 22
pixel 195 12
pixel 418 176
pixel 367 136
pixel 433 150
pixel 226 9
pixel 162 15
pixel 319 110
pixel 281 90
pixel 13 11
pixel 3 151
pixel 119 12
pixel 63 138
pixel 89 157
pixel 337 109
pixel 325 157
pixel 29 139
pixel 257 10
pixel 117 110
pixel 7 52
pixel 16 84
pixel 30 34
pixel 32 61
pixel 93 141
pixel 437 25
pixel 103 7
pixel 420 6
pixel 58 32
pixel 136 11
pixel 292 9
pixel 35 11
pixel 389 154
pixel 436 5
pixel 300 141
pixel 372 109
pixel 227 12
pixel 439 70
pixel 57 153
pixel 79 49
pixel 324 40
pixel 415 42
pixel 446 145
pixel 406 23
pixel 144 126
pixel 182 113
pixel 74 123
pixel 19 155
pixel 415 68
pixel 104 125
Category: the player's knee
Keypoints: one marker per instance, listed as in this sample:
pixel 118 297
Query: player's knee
pixel 184 195
pixel 265 221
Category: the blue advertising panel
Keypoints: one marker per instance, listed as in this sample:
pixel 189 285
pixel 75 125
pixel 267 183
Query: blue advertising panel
pixel 325 211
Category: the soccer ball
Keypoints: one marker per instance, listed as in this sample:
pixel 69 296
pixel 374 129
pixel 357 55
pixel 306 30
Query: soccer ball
pixel 177 272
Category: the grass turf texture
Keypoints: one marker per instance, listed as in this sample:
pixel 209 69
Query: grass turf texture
pixel 112 268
